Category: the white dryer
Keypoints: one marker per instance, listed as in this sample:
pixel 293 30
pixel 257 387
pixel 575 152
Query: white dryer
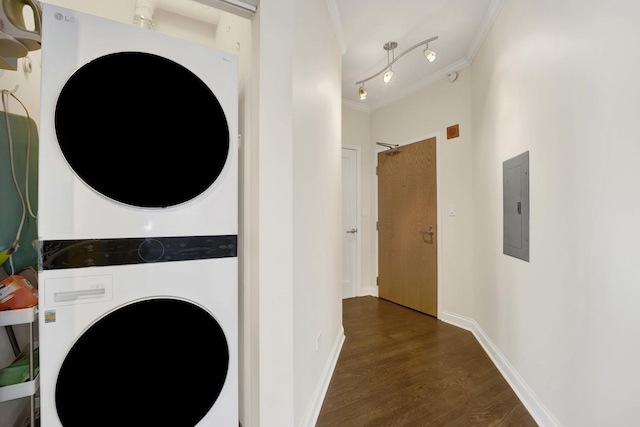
pixel 138 132
pixel 137 223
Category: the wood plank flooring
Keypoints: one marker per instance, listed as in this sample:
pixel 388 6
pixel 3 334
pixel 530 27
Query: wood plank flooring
pixel 399 367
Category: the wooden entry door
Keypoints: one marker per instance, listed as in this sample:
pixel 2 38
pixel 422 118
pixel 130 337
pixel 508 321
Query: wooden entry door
pixel 407 227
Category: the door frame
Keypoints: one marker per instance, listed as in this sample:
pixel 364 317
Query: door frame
pixel 379 149
pixel 358 266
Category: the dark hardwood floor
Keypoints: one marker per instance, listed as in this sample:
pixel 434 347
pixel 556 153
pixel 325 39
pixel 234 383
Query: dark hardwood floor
pixel 399 367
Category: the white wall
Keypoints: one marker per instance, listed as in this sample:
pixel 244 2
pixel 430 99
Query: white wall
pixel 560 79
pixel 426 112
pixel 317 199
pixel 294 210
pixel 271 234
pixel 356 130
pixel 28 85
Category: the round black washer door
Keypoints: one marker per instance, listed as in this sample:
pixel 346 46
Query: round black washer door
pixel 142 129
pixel 157 362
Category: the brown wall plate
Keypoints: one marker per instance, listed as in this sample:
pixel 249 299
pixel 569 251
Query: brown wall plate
pixel 453 131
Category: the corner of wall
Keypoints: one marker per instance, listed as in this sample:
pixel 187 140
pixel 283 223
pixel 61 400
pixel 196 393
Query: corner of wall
pixel 526 395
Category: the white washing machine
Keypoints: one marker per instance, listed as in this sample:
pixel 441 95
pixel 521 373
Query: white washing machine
pixel 141 345
pixel 137 224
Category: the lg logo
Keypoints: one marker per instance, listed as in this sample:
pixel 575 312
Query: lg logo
pixel 61 17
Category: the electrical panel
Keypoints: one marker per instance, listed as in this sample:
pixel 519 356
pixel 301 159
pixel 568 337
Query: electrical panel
pixel 515 185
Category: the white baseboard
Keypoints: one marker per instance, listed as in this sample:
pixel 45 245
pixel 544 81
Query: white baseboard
pixel 311 417
pixel 457 320
pixel 372 291
pixel 528 398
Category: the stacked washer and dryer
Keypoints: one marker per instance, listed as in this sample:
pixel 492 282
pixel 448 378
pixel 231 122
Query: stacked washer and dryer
pixel 138 191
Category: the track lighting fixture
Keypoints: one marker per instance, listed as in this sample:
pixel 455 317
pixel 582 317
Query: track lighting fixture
pixel 390 47
pixel 391 59
pixel 363 92
pixel 429 54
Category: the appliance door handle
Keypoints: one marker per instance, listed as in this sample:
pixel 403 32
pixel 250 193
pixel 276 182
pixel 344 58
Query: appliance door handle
pixel 78 295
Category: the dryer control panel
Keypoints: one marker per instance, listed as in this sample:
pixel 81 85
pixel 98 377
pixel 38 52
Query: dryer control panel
pixel 59 254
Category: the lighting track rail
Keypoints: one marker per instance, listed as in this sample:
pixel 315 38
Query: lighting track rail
pixel 390 46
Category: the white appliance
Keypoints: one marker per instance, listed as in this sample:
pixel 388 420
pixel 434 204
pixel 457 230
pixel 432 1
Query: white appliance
pixel 137 224
pixel 138 132
pixel 140 345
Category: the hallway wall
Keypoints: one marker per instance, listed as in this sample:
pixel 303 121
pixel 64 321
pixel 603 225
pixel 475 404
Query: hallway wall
pixel 427 112
pixel 317 201
pixel 559 79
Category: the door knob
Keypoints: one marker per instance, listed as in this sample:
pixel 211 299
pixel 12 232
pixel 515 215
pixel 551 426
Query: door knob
pixel 429 231
pixel 352 231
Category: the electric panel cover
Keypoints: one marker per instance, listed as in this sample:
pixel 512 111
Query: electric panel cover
pixel 515 184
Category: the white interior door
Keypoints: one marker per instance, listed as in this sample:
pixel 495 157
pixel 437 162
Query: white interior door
pixel 349 222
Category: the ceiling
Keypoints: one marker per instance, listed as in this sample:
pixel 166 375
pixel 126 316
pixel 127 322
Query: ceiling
pixel 364 26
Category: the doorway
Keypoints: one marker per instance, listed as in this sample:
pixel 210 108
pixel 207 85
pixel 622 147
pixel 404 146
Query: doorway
pixel 350 223
pixel 408 225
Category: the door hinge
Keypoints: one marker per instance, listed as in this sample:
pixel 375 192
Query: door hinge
pixel 377 281
pixel 376 170
pixel 376 225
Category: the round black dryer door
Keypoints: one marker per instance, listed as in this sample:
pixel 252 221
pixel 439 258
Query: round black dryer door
pixel 142 130
pixel 157 362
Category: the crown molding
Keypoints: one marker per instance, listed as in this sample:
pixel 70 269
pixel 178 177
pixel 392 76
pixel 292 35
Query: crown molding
pixel 337 25
pixel 420 84
pixel 487 22
pixel 356 105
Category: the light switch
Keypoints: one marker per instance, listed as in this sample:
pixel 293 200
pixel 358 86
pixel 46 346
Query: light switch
pixel 452 210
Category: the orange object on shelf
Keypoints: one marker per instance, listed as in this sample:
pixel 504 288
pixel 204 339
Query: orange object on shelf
pixel 16 292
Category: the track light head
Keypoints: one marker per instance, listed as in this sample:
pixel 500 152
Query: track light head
pixel 363 93
pixel 390 48
pixel 429 54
